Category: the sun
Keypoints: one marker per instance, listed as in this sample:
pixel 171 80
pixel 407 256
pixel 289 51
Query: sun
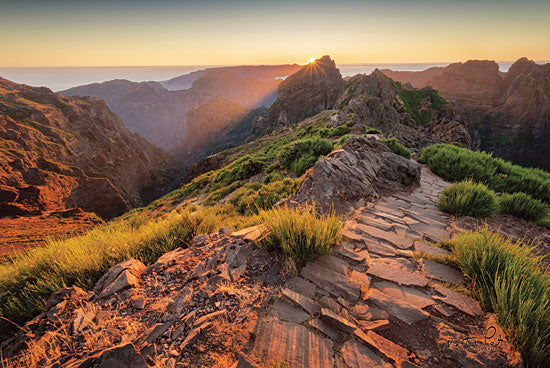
pixel 311 59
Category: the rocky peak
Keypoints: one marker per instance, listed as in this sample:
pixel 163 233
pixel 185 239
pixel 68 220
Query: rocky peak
pixel 312 89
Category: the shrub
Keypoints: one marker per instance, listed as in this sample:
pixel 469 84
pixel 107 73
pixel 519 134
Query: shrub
pixel 299 234
pixel 454 163
pixel 468 199
pixel 370 130
pixel 350 123
pixel 254 196
pixel 303 154
pixel 523 206
pixel 512 284
pixel 397 147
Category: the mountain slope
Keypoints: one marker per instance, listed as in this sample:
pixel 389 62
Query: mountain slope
pixel 59 152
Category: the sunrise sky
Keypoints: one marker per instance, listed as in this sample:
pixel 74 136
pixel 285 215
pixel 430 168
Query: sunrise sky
pixel 224 32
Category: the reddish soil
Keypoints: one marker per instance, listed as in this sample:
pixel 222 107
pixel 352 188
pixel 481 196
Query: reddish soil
pixel 28 232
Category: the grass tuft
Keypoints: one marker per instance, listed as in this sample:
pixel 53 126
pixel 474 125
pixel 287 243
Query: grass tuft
pixel 397 147
pixel 467 198
pixel 299 234
pixel 523 206
pixel 512 284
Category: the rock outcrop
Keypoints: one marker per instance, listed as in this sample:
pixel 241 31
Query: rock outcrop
pixel 58 152
pixel 508 113
pixel 363 170
pixel 312 89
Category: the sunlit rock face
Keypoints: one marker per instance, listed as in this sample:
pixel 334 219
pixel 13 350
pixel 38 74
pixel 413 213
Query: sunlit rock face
pixel 312 89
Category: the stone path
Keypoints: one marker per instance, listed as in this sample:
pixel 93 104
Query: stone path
pixel 376 301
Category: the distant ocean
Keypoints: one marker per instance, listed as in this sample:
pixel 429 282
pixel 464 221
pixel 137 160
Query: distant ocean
pixel 60 78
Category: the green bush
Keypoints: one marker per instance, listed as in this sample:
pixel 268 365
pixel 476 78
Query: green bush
pixel 512 284
pixel 350 123
pixel 523 206
pixel 454 163
pixel 397 147
pixel 370 130
pixel 299 234
pixel 253 196
pixel 303 154
pixel 468 199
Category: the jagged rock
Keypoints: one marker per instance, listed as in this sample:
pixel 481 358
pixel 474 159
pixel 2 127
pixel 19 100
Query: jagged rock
pixel 357 355
pixel 364 169
pixel 333 282
pixel 306 303
pixel 309 91
pixel 457 300
pixel 73 292
pixel 82 320
pixel 336 321
pixel 120 277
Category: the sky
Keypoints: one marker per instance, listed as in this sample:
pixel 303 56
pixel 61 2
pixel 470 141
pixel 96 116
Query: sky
pixel 229 32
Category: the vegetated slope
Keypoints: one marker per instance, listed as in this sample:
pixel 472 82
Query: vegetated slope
pixel 160 115
pixel 509 112
pixel 58 152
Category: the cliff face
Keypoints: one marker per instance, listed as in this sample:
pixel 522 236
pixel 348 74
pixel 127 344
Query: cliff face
pixel 58 152
pixel 312 89
pixel 508 112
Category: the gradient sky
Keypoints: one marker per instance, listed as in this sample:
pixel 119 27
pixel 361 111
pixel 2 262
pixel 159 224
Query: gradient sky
pixel 210 32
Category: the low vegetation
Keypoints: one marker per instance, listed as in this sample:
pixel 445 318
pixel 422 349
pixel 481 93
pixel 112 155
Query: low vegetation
pixel 414 100
pixel 255 196
pixel 468 198
pixel 455 163
pixel 523 206
pixel 512 284
pixel 27 280
pixel 298 234
pixel 303 154
pixel 397 147
pixel 370 130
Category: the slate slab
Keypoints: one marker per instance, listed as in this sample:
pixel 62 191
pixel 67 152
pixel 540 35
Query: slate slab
pixel 399 309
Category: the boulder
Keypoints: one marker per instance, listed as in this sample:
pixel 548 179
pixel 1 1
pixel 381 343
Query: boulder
pixel 119 277
pixel 364 169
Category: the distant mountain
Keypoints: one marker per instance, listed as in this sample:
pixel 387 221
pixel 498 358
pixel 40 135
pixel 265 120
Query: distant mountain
pixel 58 152
pixel 264 73
pixel 509 112
pixel 160 115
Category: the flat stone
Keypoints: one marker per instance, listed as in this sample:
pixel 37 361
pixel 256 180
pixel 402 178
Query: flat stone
pixel 208 317
pixel 431 250
pixel 124 356
pixel 389 209
pixel 357 355
pixel 287 312
pixel 156 331
pixel 399 309
pixel 333 263
pixel 337 321
pixel 350 236
pixel 301 286
pixel 294 344
pixel 390 270
pixel 306 303
pixel 381 249
pixel 138 303
pixel 407 294
pixel 369 312
pixel 194 335
pixel 251 233
pixel 376 222
pixel 379 324
pixel 246 362
pixel 361 278
pixel 383 345
pixel 333 282
pixel 441 272
pixel 324 328
pixel 349 254
pixel 391 238
pixel 444 310
pixel 457 300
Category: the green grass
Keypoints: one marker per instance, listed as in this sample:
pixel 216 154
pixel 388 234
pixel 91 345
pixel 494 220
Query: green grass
pixel 454 163
pixel 254 196
pixel 334 132
pixel 302 154
pixel 523 206
pixel 413 100
pixel 299 234
pixel 370 130
pixel 27 280
pixel 512 284
pixel 397 147
pixel 468 198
